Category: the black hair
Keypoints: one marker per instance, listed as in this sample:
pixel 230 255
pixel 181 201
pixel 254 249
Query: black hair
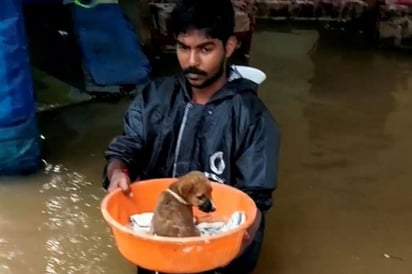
pixel 215 17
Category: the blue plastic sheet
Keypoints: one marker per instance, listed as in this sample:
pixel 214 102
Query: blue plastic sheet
pixel 19 138
pixel 16 91
pixel 20 148
pixel 111 50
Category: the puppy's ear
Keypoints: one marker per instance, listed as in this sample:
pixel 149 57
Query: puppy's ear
pixel 185 189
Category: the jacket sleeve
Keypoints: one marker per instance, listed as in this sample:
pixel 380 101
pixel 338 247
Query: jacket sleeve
pixel 127 147
pixel 257 162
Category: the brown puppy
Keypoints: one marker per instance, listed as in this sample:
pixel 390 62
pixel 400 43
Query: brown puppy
pixel 173 216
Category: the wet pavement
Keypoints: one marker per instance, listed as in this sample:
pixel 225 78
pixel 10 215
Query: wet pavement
pixel 343 204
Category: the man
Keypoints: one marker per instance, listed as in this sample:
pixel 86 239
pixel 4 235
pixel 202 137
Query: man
pixel 207 118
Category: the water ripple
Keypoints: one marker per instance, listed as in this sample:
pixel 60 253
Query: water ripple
pixel 8 254
pixel 78 241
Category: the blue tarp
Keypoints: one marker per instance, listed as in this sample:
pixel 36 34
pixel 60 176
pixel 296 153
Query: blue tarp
pixel 16 91
pixel 20 148
pixel 19 138
pixel 111 50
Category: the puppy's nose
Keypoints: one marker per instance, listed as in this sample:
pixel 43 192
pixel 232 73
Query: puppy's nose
pixel 207 206
pixel 213 207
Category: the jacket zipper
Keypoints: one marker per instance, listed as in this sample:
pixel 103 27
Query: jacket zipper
pixel 179 138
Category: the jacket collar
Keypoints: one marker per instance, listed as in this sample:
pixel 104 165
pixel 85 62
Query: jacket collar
pixel 235 84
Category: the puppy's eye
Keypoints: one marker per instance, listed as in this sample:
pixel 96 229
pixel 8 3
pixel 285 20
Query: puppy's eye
pixel 200 196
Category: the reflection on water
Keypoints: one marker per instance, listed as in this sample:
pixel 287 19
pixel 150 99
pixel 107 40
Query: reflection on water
pixel 75 244
pixel 63 223
pixel 8 253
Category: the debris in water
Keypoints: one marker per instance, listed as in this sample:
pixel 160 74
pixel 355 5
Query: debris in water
pixel 387 256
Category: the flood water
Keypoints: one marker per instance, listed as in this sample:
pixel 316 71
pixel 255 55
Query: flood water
pixel 344 199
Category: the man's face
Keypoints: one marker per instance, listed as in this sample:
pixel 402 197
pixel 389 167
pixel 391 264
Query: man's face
pixel 201 58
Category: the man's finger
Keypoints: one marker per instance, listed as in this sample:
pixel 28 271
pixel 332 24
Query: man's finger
pixel 125 188
pixel 246 237
pixel 111 187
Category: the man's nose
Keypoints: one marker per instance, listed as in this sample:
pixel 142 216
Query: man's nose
pixel 193 58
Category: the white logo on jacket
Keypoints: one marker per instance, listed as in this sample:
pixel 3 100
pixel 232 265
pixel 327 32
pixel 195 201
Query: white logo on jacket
pixel 217 166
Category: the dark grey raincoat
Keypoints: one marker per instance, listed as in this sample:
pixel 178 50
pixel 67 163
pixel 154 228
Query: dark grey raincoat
pixel 233 139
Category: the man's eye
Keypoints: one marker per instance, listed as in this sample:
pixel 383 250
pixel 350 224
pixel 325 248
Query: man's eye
pixel 206 50
pixel 181 47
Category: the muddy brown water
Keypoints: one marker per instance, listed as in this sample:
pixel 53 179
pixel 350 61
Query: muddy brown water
pixel 344 199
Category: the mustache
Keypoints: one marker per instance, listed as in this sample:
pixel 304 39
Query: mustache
pixel 193 70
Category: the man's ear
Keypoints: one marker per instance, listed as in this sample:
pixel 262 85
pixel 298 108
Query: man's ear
pixel 231 45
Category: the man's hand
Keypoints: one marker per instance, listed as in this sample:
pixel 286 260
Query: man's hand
pixel 119 179
pixel 251 232
pixel 246 238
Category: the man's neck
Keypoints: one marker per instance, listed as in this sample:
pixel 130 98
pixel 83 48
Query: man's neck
pixel 202 96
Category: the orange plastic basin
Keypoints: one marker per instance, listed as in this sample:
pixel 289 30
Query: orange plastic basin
pixel 176 255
